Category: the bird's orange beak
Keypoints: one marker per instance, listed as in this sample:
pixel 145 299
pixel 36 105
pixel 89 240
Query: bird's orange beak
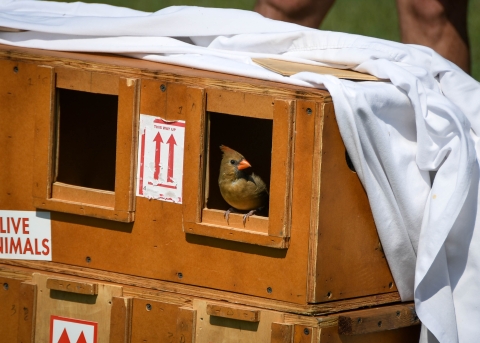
pixel 243 165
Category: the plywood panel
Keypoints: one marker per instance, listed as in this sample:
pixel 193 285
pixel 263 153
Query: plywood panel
pixel 25 91
pixel 240 103
pixel 153 98
pixel 282 333
pixel 227 330
pixel 154 321
pixel 9 308
pixel 95 308
pixel 346 228
pixel 26 319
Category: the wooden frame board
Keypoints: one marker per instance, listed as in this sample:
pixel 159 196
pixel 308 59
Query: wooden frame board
pixel 50 194
pixel 272 231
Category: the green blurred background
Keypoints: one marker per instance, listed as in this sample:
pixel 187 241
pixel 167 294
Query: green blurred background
pixel 375 18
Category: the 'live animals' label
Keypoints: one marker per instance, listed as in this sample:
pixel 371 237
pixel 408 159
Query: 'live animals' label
pixel 160 159
pixel 25 235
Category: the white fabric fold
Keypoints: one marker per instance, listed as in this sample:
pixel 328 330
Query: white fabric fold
pixel 424 122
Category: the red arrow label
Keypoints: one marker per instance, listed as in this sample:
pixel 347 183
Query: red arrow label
pixel 81 338
pixel 64 337
pixel 171 142
pixel 158 141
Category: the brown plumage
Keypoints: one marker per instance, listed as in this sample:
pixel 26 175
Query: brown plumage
pixel 241 190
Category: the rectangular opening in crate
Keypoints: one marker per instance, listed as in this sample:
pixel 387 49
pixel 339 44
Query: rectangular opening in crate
pixel 87 138
pixel 250 137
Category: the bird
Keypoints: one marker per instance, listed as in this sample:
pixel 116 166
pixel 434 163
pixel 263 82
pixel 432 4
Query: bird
pixel 241 190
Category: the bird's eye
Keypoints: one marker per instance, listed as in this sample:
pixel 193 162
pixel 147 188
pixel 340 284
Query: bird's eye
pixel 232 161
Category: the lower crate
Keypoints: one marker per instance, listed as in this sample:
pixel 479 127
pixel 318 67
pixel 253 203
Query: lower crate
pixel 50 307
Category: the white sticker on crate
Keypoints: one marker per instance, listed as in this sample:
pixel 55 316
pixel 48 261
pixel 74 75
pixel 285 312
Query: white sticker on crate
pixel 70 330
pixel 160 159
pixel 25 235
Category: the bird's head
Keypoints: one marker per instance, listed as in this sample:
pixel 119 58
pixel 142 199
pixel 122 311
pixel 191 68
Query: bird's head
pixel 232 162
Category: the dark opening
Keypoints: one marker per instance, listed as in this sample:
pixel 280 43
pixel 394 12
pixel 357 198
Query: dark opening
pixel 251 137
pixel 349 162
pixel 87 139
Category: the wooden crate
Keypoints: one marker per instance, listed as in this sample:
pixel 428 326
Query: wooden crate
pixel 124 314
pixel 317 249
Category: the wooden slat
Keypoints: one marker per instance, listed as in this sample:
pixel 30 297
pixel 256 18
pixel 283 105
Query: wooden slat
pixel 72 286
pixel 186 320
pixel 10 311
pixel 120 320
pixel 240 104
pixel 152 99
pixel 43 154
pixel 127 136
pixel 237 235
pixel 86 81
pixel 26 319
pixel 171 73
pixel 377 319
pixel 176 288
pixel 281 169
pixel 282 333
pixel 84 209
pixel 233 312
pixel 302 178
pixel 194 160
pixel 254 223
pixel 318 114
pixel 90 196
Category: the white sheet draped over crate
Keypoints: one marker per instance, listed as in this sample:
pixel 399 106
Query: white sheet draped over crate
pixel 398 134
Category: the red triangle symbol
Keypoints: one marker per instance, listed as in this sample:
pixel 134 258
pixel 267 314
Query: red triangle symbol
pixel 64 337
pixel 81 338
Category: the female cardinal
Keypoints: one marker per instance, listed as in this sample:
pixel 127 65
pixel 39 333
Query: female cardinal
pixel 240 190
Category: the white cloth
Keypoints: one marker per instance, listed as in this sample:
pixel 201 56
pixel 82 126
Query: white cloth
pixel 397 133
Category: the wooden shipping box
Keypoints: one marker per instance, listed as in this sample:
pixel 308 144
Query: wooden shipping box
pixel 53 305
pixel 69 143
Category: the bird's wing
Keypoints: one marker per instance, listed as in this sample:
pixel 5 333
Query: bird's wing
pixel 261 186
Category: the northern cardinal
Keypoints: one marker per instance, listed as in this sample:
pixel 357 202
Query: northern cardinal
pixel 241 190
